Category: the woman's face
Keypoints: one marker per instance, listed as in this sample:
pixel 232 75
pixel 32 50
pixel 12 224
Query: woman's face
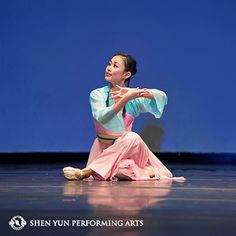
pixel 115 71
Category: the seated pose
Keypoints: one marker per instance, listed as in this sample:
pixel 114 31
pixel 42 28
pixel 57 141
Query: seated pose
pixel 117 152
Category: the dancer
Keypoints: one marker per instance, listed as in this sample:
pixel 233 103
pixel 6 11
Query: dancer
pixel 117 152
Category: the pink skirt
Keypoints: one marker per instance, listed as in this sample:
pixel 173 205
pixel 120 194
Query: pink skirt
pixel 126 159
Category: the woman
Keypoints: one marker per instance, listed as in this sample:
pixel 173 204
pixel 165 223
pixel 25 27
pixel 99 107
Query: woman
pixel 117 152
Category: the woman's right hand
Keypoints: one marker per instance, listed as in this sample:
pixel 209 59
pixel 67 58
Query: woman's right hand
pixel 126 93
pixel 122 95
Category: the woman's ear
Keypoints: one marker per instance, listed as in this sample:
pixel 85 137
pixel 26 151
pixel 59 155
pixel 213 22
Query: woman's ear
pixel 127 75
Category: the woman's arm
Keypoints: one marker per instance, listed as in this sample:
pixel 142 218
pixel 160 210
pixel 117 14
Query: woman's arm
pixel 100 111
pixel 143 100
pixel 124 95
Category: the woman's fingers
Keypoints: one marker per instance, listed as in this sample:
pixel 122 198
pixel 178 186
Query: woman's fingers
pixel 144 93
pixel 119 87
pixel 116 96
pixel 134 92
pixel 114 92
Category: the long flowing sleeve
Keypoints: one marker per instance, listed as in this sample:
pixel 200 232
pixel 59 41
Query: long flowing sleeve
pixel 100 111
pixel 155 107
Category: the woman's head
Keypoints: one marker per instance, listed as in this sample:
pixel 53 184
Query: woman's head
pixel 120 69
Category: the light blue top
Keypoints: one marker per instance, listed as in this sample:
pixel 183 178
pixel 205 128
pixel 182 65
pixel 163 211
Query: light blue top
pixel 110 120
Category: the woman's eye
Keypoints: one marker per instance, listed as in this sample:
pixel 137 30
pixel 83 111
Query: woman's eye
pixel 115 66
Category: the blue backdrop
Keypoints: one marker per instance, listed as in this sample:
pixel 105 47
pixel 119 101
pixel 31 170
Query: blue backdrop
pixel 53 53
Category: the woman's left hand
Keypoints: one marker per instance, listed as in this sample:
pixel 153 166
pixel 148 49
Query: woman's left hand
pixel 146 93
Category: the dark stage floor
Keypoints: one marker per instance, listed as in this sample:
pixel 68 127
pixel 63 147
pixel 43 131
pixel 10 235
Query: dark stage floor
pixel 203 205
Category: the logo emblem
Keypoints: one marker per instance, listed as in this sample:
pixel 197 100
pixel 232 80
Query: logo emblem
pixel 17 222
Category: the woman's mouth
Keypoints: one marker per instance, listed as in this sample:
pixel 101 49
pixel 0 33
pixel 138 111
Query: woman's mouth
pixel 108 74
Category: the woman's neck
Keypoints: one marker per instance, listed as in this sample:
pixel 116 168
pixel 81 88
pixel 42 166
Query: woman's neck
pixel 113 87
